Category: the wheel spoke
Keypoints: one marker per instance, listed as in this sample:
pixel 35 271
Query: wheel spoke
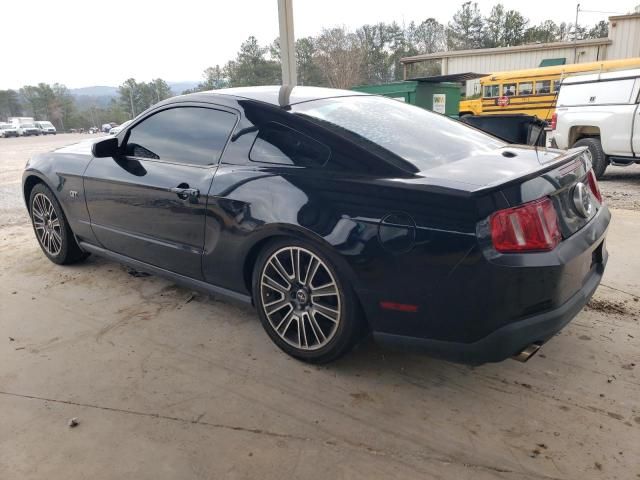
pixel 326 290
pixel 317 331
pixel 312 274
pixel 287 320
pixel 55 223
pixel 271 283
pixel 303 323
pixel 296 269
pixel 299 332
pixel 327 312
pixel 277 265
pixel 276 306
pixel 57 239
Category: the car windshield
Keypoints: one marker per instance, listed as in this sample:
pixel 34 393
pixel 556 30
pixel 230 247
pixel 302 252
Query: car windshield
pixel 46 124
pixel 422 138
pixel 5 127
pixel 28 125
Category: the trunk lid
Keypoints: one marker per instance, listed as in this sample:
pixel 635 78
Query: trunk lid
pixel 523 174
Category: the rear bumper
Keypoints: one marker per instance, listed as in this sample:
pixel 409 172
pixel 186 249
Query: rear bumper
pixel 508 340
pixel 494 308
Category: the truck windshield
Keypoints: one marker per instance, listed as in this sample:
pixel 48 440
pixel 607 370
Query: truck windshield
pixel 422 138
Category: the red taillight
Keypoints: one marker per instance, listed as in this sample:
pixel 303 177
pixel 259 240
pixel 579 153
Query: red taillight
pixel 593 185
pixel 529 227
pixel 554 121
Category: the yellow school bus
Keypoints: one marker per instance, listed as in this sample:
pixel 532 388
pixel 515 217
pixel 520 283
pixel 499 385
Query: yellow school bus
pixel 531 91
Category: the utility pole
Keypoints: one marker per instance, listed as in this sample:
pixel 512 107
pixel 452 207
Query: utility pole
pixel 575 36
pixel 133 111
pixel 287 43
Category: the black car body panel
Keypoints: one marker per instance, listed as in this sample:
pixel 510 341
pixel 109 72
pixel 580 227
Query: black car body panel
pixel 396 235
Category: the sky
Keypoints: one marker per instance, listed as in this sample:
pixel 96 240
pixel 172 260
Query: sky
pixel 84 43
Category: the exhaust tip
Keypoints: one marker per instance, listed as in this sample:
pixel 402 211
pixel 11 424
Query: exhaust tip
pixel 527 352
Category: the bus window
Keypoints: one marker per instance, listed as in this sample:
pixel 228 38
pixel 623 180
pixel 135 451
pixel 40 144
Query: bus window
pixel 543 87
pixel 525 88
pixel 491 91
pixel 556 85
pixel 509 89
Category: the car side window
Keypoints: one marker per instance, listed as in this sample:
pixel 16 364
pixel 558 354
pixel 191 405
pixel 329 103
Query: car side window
pixel 277 143
pixel 191 135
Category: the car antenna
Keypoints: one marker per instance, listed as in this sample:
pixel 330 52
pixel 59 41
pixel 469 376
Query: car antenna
pixel 553 105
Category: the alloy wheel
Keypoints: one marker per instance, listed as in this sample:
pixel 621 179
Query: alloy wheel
pixel 300 298
pixel 46 224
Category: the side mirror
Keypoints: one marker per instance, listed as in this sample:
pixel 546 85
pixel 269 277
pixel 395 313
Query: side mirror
pixel 106 148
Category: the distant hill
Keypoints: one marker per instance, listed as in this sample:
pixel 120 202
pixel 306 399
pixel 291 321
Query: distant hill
pixel 179 87
pixel 97 91
pixel 102 92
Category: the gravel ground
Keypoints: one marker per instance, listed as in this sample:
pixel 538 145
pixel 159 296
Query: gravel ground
pixel 621 187
pixel 166 383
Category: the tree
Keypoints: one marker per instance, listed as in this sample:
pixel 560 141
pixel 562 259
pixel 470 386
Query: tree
pixel 494 27
pixel 546 32
pixel 213 79
pixel 400 45
pixel 63 108
pixel 599 30
pixel 9 104
pixel 251 67
pixel 130 97
pixel 339 56
pixel 466 29
pixel 428 37
pixel 515 26
pixel 29 93
pixel 308 71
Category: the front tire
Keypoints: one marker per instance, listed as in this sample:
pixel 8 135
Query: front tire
pixel 595 151
pixel 51 227
pixel 304 305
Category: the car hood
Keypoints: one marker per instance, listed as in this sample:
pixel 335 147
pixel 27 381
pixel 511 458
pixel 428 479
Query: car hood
pixel 82 147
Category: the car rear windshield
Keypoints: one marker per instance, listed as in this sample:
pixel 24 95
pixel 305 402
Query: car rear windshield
pixel 422 138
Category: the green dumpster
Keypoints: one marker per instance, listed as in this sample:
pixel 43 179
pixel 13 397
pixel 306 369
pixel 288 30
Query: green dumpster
pixel 440 97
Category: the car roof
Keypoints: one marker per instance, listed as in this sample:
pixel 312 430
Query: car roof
pixel 595 77
pixel 278 95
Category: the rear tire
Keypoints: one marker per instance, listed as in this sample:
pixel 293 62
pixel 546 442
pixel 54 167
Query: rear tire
pixel 598 157
pixel 51 227
pixel 307 308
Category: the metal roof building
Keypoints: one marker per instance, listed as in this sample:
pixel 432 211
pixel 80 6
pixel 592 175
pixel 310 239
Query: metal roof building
pixel 623 42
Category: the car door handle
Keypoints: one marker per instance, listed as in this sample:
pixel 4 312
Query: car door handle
pixel 185 192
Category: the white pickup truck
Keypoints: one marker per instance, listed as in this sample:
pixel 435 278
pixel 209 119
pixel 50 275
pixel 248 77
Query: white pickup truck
pixel 600 112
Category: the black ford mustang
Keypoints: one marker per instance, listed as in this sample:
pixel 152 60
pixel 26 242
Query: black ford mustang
pixel 336 213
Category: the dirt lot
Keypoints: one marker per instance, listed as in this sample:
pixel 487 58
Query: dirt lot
pixel 170 384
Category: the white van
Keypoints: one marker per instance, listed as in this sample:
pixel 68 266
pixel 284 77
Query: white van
pixel 600 112
pixel 46 128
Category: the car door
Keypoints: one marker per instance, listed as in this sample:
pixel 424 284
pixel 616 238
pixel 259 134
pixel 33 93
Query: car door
pixel 149 203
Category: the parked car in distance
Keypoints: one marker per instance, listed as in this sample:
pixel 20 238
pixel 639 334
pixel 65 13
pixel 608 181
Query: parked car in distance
pixel 600 112
pixel 336 214
pixel 8 130
pixel 106 127
pixel 46 128
pixel 28 129
pixel 119 128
